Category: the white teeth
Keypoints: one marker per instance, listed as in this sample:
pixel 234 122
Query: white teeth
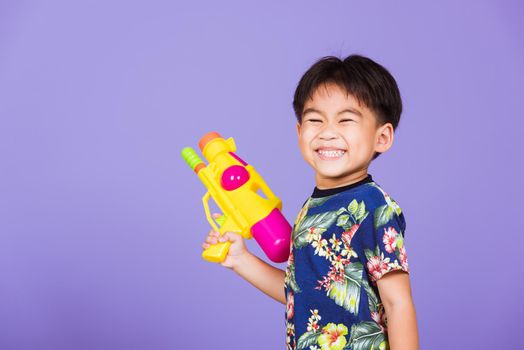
pixel 331 154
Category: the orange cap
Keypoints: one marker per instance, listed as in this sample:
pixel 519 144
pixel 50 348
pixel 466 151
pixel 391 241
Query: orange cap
pixel 206 138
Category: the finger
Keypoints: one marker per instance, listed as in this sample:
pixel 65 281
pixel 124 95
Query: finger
pixel 211 240
pixel 205 245
pixel 229 236
pixel 216 215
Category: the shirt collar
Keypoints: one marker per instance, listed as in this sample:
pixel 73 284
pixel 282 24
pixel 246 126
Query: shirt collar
pixel 318 193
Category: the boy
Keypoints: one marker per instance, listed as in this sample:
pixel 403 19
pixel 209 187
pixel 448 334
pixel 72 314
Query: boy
pixel 346 285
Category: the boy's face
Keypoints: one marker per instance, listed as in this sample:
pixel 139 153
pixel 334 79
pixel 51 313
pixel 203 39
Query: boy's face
pixel 338 136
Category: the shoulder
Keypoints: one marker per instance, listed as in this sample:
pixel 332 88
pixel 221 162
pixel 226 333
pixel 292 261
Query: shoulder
pixel 380 206
pixel 371 194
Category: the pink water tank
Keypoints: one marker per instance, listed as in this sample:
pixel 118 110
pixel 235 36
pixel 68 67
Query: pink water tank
pixel 273 234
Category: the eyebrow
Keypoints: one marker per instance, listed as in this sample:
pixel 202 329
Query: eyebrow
pixel 347 110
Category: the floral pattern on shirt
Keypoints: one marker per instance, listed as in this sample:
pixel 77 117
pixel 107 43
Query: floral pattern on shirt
pixel 333 241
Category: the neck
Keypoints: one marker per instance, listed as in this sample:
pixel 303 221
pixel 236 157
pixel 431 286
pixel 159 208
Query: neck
pixel 325 183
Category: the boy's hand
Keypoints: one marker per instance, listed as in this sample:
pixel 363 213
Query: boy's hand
pixel 237 250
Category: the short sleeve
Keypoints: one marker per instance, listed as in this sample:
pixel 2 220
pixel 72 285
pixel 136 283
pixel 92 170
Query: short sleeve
pixel 386 250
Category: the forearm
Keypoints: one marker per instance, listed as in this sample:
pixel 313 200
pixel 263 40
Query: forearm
pixel 263 276
pixel 402 326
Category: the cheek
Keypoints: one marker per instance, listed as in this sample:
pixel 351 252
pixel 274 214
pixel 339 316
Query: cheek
pixel 304 148
pixel 358 138
pixel 305 139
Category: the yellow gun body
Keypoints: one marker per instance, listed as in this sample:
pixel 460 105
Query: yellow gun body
pixel 234 186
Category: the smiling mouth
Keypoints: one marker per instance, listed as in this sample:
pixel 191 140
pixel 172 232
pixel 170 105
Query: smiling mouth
pixel 330 154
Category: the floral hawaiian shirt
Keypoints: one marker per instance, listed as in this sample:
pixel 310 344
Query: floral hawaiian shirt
pixel 344 240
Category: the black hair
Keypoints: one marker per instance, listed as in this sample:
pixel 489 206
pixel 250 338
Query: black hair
pixel 369 82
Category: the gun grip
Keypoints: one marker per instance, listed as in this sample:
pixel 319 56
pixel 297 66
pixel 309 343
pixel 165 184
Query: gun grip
pixel 216 252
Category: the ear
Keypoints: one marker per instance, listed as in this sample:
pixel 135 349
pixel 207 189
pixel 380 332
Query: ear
pixel 298 129
pixel 384 138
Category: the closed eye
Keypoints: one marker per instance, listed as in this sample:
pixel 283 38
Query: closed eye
pixel 346 120
pixel 314 120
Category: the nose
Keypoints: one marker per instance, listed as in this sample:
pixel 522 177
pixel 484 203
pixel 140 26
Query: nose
pixel 328 132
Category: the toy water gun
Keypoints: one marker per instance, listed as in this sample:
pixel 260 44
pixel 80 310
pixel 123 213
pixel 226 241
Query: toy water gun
pixel 233 184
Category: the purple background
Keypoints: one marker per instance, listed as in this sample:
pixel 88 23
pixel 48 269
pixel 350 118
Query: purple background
pixel 101 221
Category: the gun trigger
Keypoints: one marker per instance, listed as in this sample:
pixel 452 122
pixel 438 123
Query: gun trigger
pixel 220 220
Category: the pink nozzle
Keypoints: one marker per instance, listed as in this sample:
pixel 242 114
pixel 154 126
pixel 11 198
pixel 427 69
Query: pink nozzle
pixel 273 234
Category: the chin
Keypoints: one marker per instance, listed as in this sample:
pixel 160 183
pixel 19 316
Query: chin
pixel 332 174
